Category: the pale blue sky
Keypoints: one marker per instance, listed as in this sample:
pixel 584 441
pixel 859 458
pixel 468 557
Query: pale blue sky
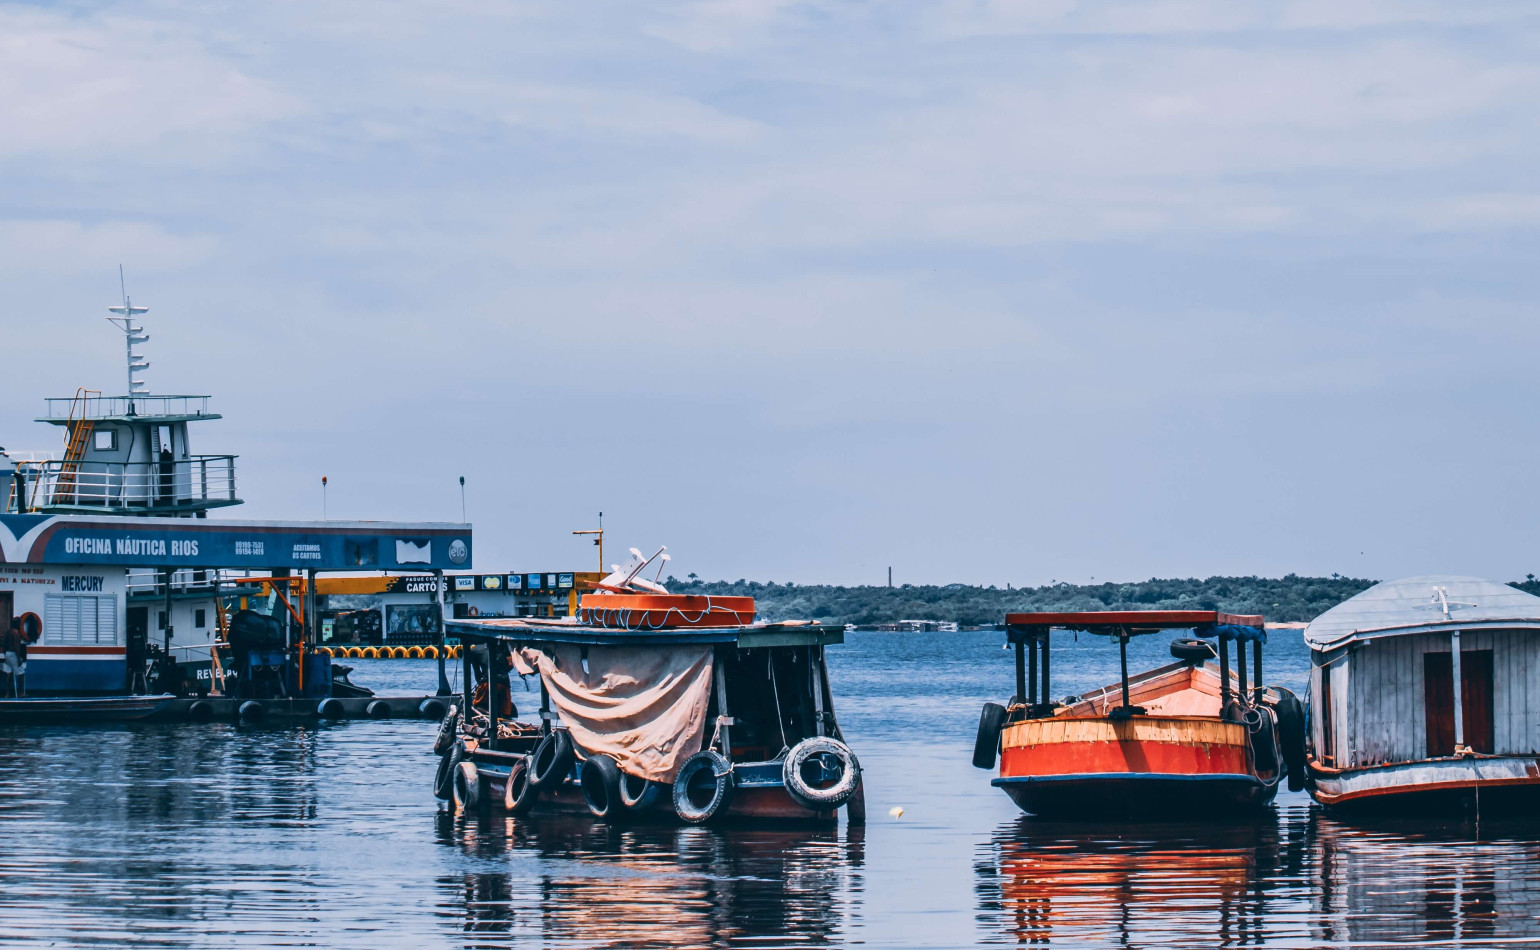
pixel 988 292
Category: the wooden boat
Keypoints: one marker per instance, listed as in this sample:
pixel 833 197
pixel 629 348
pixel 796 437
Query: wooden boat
pixel 672 714
pixel 1420 699
pixel 1185 737
pixel 82 708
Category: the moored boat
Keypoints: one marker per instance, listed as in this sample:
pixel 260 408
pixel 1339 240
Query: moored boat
pixel 651 705
pixel 1186 735
pixel 1420 699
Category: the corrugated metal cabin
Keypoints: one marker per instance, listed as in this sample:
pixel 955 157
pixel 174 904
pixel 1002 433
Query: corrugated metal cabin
pixel 1419 699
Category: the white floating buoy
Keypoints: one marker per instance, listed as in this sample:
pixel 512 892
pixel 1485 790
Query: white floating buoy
pixel 895 812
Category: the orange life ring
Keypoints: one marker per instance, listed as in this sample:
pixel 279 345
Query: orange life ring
pixel 474 611
pixel 31 626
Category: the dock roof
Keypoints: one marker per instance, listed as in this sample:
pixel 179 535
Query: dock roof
pixel 1411 606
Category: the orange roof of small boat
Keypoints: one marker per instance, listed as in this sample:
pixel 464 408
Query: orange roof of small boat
pixel 1096 620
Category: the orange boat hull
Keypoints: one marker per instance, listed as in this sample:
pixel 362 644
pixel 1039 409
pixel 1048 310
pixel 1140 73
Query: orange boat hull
pixel 1129 766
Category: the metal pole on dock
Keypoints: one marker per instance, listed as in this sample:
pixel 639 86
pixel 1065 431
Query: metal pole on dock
pixel 438 596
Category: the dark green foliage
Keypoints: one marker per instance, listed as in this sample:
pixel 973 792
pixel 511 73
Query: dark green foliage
pixel 1290 598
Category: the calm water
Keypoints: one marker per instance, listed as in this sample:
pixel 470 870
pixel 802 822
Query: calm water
pixel 212 836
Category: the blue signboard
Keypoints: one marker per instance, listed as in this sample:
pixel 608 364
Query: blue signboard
pixel 209 543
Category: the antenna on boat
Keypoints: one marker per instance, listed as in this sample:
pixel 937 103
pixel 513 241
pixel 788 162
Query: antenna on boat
pixel 1442 602
pixel 132 335
pixel 598 540
pixel 628 578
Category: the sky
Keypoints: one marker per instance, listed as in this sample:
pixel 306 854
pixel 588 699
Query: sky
pixel 985 292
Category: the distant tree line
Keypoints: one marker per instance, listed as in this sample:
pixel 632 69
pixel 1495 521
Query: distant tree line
pixel 1288 598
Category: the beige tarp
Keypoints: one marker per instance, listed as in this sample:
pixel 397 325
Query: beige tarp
pixel 645 706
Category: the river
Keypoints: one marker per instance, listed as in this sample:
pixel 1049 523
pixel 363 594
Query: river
pixel 329 836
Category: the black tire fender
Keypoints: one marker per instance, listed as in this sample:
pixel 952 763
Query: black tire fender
pixel 1291 736
pixel 377 709
pixel 637 793
pixel 432 708
pixel 600 780
pixel 1263 728
pixel 703 788
pixel 551 760
pixel 520 795
pixel 828 755
pixel 330 708
pixel 251 711
pixel 468 792
pixel 447 729
pixel 1192 649
pixel 200 711
pixel 987 743
pixel 443 782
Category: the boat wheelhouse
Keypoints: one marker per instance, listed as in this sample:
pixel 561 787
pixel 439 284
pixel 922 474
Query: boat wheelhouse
pixel 1186 735
pixel 651 704
pixel 1421 694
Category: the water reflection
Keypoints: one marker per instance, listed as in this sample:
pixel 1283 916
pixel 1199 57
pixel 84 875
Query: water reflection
pixel 1300 879
pixel 599 885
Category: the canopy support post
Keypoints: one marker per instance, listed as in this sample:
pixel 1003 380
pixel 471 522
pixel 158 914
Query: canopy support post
pixel 1032 673
pixel 1021 673
pixel 1240 671
pixel 724 731
pixel 1256 665
pixel 1123 662
pixel 1046 635
pixel 491 681
pixel 465 681
pixel 1224 672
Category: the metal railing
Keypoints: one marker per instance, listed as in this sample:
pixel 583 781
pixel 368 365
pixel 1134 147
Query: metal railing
pixel 200 481
pixel 146 583
pixel 57 408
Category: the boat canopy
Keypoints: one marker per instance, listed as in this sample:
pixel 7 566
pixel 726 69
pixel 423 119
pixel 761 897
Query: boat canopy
pixel 543 630
pixel 1430 603
pixel 1206 623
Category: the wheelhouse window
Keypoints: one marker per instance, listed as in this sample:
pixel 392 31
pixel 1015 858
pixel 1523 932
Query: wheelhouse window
pixel 105 440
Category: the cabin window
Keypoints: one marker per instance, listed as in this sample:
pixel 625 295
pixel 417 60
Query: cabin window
pixel 72 618
pixel 105 440
pixel 200 618
pixel 1475 700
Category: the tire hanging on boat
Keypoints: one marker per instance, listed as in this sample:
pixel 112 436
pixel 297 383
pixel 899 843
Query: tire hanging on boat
pixel 1192 649
pixel 1263 728
pixel 827 755
pixel 600 778
pixel 551 760
pixel 520 794
pixel 443 781
pixel 637 793
pixel 468 795
pixel 1291 736
pixel 703 788
pixel 447 730
pixel 991 720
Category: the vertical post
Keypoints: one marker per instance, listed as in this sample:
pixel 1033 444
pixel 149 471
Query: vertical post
pixel 465 682
pixel 1256 671
pixel 1240 671
pixel 1032 673
pixel 1123 662
pixel 166 575
pixel 1047 633
pixel 1459 699
pixel 724 731
pixel 1021 672
pixel 1224 671
pixel 492 681
pixel 438 597
pixel 545 707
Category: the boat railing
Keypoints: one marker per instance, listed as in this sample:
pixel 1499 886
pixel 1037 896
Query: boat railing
pixel 201 481
pixel 146 583
pixel 59 408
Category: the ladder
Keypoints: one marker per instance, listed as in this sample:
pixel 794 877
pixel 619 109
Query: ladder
pixel 80 428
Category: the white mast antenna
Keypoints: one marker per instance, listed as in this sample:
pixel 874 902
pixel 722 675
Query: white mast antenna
pixel 132 335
